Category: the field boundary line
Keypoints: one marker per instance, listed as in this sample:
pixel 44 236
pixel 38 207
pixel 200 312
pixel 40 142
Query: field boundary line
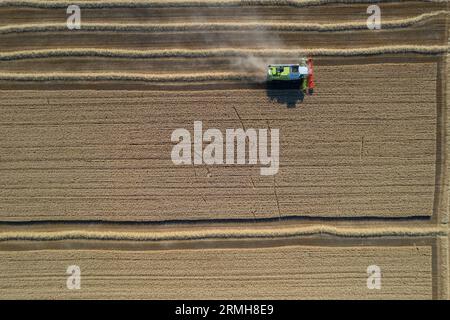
pixel 442 265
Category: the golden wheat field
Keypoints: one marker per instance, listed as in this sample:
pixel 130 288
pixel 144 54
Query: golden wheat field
pixel 87 176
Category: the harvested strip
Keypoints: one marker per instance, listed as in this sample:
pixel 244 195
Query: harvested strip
pixel 192 27
pixel 227 234
pixel 287 272
pixel 105 155
pixel 188 3
pixel 126 77
pixel 231 52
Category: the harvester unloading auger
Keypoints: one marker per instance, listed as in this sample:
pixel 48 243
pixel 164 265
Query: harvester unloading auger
pixel 301 75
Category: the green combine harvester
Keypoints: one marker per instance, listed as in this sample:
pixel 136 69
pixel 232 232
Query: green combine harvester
pixel 297 75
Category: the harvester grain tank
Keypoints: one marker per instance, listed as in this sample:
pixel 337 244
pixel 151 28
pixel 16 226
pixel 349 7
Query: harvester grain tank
pixel 301 74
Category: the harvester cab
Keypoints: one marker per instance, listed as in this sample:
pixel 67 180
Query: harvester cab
pixel 300 74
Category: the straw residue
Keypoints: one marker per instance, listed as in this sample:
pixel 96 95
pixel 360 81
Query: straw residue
pixel 187 3
pixel 230 26
pixel 225 234
pixel 225 52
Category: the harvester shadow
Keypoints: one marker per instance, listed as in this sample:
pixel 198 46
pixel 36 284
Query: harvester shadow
pixel 285 93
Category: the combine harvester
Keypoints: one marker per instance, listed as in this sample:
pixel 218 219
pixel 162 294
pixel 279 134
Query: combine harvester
pixel 292 76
